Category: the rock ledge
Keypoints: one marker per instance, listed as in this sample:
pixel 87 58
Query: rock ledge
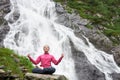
pixel 33 76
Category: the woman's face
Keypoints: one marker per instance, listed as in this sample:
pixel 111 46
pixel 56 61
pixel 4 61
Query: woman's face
pixel 46 48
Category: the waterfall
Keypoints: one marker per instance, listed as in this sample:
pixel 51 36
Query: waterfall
pixel 36 27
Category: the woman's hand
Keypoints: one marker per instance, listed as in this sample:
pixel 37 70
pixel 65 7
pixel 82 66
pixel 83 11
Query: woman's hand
pixel 28 55
pixel 62 55
pixel 39 67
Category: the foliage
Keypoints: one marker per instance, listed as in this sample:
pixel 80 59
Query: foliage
pixel 89 26
pixel 7 58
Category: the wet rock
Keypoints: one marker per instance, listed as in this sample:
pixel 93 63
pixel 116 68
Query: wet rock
pixel 8 76
pixel 100 41
pixel 9 72
pixel 3 31
pixel 84 69
pixel 115 76
pixel 23 69
pixel 116 54
pixel 4 28
pixel 59 8
pixel 15 16
pixel 16 60
pixel 2 66
pixel 14 77
pixel 33 76
pixel 2 71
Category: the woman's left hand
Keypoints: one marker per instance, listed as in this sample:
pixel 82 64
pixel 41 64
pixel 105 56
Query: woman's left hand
pixel 62 55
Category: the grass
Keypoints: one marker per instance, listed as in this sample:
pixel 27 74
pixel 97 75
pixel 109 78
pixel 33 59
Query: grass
pixel 7 58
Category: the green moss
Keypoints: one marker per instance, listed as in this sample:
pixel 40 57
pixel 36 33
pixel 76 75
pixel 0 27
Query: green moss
pixel 111 32
pixel 1 21
pixel 89 26
pixel 69 10
pixel 7 58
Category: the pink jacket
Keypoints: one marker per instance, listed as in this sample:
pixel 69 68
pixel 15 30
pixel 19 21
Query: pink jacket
pixel 46 60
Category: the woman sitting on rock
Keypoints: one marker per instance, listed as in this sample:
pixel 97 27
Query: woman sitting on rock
pixel 45 59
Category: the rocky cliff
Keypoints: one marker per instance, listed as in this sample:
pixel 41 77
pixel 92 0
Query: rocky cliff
pixel 31 76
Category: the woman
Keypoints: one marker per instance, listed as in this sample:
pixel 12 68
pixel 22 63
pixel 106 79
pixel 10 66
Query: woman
pixel 45 59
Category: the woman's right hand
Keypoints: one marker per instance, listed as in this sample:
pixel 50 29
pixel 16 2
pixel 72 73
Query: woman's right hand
pixel 39 67
pixel 28 55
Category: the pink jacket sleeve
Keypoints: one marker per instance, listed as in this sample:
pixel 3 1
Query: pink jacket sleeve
pixel 56 62
pixel 35 61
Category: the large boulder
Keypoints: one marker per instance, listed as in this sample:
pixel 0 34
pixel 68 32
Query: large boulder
pixel 33 76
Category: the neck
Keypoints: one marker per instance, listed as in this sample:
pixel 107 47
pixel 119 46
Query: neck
pixel 46 52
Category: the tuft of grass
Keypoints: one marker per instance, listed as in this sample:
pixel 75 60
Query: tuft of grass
pixel 89 26
pixel 111 32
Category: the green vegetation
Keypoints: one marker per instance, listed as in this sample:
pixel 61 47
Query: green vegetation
pixel 13 62
pixel 100 12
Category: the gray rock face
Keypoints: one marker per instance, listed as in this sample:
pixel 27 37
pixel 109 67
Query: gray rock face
pixel 84 69
pixel 116 76
pixel 3 31
pixel 33 76
pixel 116 54
pixel 100 41
pixel 8 76
pixel 4 28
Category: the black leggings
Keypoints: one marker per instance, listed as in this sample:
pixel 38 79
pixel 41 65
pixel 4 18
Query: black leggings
pixel 49 70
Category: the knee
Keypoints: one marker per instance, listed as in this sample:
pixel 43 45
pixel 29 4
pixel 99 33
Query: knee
pixel 34 70
pixel 53 69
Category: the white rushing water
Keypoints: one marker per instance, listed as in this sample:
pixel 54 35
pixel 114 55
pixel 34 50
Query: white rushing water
pixel 36 27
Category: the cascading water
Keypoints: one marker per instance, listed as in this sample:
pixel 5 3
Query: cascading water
pixel 36 27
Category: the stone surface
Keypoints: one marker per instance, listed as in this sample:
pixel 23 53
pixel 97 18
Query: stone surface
pixel 116 54
pixel 33 76
pixel 116 76
pixel 4 28
pixel 84 69
pixel 3 31
pixel 2 66
pixel 2 71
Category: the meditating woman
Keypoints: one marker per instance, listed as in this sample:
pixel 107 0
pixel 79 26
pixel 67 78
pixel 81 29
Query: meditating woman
pixel 45 60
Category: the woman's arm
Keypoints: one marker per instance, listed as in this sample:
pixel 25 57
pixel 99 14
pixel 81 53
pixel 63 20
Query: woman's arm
pixel 56 62
pixel 34 61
